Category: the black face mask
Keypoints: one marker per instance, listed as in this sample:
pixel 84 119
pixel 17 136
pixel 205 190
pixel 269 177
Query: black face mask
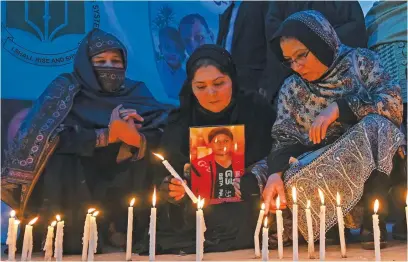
pixel 111 79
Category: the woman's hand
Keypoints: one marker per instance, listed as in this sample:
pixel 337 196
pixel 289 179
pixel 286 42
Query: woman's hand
pixel 274 187
pixel 319 127
pixel 122 130
pixel 130 115
pixel 176 190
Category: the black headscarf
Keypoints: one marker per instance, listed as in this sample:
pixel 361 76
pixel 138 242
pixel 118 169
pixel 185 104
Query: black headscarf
pixel 93 105
pixel 249 109
pixel 295 27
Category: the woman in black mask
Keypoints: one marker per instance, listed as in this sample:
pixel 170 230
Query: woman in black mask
pixel 84 142
pixel 211 97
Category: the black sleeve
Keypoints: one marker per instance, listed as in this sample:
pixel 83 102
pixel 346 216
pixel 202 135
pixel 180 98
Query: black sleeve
pixel 346 115
pixel 278 160
pixel 77 140
pixel 353 31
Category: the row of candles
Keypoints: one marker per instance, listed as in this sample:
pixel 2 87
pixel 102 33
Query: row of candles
pixel 90 236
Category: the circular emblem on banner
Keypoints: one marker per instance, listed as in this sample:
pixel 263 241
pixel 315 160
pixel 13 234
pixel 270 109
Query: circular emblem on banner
pixel 47 33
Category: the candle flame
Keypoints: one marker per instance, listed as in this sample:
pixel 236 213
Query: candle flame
pixel 33 221
pixel 12 213
pixel 294 197
pixel 376 206
pixel 278 202
pixel 154 197
pixel 200 203
pixel 263 206
pixel 321 196
pixel 308 204
pixel 132 202
pixel 266 222
pixel 338 199
pixel 58 218
pixel 53 223
pixel 95 213
pixel 91 210
pixel 16 222
pixel 159 156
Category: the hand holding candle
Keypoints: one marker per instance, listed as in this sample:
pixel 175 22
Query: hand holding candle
pixel 176 175
pixel 279 224
pixel 28 241
pixel 48 242
pixel 130 231
pixel 258 230
pixel 295 226
pixel 152 229
pixel 340 221
pixel 377 232
pixel 85 238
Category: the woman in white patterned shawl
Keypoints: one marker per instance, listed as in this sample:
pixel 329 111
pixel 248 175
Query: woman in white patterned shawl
pixel 337 123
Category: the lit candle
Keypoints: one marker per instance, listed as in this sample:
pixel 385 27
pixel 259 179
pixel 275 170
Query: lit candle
pixel 341 226
pixel 265 238
pixel 200 229
pixel 152 229
pixel 377 233
pixel 10 234
pixel 13 241
pixel 59 237
pixel 295 226
pixel 85 238
pixel 176 175
pixel 130 231
pixel 28 241
pixel 258 230
pixel 322 227
pixel 406 211
pixel 48 242
pixel 279 224
pixel 93 237
pixel 310 239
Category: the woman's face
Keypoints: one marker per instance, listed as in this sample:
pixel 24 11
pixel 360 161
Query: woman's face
pixel 112 58
pixel 301 60
pixel 212 88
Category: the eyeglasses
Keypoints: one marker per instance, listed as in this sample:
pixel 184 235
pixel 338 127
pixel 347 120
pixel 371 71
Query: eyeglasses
pixel 299 60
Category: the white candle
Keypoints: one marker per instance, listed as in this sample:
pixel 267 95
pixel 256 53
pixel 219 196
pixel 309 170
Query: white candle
pixel 152 229
pixel 295 226
pixel 258 230
pixel 377 233
pixel 85 238
pixel 176 175
pixel 59 239
pixel 93 237
pixel 10 234
pixel 48 242
pixel 200 229
pixel 341 226
pixel 265 238
pixel 28 241
pixel 310 239
pixel 279 224
pixel 130 231
pixel 322 227
pixel 13 240
pixel 406 211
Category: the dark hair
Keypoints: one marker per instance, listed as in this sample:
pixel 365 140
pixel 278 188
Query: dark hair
pixel 191 19
pixel 220 131
pixel 204 62
pixel 172 34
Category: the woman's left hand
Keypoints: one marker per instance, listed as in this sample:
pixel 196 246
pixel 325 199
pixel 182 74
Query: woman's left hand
pixel 319 127
pixel 126 132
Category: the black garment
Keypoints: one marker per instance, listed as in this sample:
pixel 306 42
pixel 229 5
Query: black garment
pixel 229 226
pixel 249 42
pixel 81 174
pixel 347 18
pixel 223 182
